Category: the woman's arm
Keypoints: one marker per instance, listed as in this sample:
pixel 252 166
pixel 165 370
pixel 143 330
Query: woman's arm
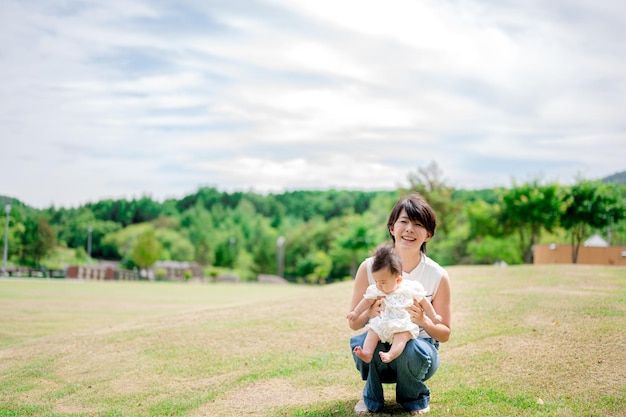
pixel 441 303
pixel 360 286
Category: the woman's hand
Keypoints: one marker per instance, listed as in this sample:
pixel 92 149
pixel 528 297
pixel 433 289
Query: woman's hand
pixel 417 314
pixel 439 328
pixel 377 307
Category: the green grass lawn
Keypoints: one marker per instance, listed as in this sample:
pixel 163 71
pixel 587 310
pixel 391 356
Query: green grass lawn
pixel 526 341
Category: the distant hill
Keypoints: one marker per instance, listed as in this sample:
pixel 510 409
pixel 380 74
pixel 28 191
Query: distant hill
pixel 619 178
pixel 14 202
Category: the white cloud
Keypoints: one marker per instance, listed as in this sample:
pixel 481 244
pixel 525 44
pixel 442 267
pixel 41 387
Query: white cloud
pixel 161 98
pixel 344 171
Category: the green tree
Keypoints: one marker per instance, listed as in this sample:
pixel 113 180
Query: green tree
pixel 198 223
pixel 355 239
pixel 489 249
pixel 16 228
pixel 37 240
pixel 126 212
pixel 123 241
pixel 527 210
pixel 590 204
pixel 262 245
pixel 174 246
pixel 46 240
pixel 81 255
pixel 147 250
pixel 483 219
pixel 304 240
pixel 72 226
pixel 316 267
pixel 485 242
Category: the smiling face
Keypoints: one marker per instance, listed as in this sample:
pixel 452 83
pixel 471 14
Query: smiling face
pixel 409 233
pixel 412 222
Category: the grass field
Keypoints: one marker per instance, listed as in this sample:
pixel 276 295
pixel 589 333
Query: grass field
pixel 526 341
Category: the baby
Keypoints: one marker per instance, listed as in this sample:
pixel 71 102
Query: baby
pixel 394 322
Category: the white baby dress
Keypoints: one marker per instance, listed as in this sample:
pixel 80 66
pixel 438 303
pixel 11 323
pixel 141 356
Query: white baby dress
pixel 394 317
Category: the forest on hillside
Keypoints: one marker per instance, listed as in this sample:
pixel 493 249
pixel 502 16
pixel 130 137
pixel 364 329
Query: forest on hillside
pixel 314 235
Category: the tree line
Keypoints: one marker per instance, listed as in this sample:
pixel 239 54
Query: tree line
pixel 323 234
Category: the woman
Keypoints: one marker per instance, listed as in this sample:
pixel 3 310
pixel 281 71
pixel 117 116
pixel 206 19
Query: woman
pixel 411 224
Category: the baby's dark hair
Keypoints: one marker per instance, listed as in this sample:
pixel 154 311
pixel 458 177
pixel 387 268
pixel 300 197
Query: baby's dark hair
pixel 386 258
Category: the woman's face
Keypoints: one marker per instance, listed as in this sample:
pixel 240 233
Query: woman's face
pixel 408 233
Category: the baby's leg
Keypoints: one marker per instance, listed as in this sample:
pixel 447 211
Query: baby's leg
pixel 397 346
pixel 369 346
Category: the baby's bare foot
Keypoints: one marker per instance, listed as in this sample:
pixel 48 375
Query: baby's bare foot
pixel 363 355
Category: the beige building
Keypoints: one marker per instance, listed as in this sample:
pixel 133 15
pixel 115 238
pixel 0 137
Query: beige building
pixel 589 255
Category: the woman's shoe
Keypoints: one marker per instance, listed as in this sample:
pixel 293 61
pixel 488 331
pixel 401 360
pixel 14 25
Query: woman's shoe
pixel 420 412
pixel 360 408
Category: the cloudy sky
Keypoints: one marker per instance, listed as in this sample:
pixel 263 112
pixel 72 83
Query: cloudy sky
pixel 125 98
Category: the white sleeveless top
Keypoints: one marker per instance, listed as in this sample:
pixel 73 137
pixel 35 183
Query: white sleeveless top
pixel 428 272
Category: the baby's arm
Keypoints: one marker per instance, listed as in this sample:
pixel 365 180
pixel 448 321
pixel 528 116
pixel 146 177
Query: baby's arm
pixel 430 310
pixel 363 305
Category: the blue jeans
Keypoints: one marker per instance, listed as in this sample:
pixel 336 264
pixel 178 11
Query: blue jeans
pixel 416 364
